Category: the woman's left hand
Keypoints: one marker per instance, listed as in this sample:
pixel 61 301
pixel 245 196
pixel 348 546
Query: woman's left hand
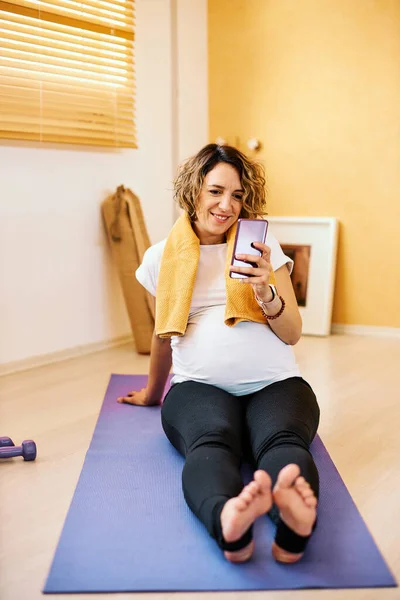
pixel 259 275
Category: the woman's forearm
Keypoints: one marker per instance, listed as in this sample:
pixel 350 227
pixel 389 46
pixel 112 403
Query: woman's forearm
pixel 160 366
pixel 288 325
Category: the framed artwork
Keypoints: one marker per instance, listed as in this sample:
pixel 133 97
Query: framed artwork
pixel 311 242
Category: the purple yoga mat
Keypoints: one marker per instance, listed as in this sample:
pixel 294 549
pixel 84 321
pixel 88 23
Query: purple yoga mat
pixel 128 528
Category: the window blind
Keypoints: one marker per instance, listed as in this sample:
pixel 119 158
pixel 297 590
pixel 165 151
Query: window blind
pixel 67 71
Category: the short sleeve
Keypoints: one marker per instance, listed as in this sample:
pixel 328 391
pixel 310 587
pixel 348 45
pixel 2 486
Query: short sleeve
pixel 147 272
pixel 278 258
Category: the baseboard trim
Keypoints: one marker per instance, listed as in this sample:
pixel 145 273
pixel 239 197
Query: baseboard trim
pixel 369 330
pixel 33 362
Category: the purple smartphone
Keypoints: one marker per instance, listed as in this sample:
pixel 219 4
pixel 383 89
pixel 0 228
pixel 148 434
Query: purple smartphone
pixel 248 231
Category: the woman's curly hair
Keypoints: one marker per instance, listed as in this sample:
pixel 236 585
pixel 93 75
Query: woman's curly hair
pixel 191 174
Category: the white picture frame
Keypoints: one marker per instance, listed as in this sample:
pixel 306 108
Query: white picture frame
pixel 320 234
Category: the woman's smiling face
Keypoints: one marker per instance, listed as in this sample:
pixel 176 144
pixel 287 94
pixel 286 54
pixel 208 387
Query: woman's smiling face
pixel 219 204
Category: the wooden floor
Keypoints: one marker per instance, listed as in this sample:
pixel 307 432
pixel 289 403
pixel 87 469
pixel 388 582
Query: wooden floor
pixel 357 383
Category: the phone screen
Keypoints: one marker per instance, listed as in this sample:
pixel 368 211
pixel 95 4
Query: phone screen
pixel 248 231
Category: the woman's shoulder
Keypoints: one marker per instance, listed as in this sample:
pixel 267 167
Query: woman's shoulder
pixel 278 257
pixel 154 253
pixel 147 272
pixel 270 236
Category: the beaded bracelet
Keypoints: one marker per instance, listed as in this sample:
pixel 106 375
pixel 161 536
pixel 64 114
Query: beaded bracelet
pixel 278 314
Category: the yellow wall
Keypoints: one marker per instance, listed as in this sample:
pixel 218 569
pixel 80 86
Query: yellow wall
pixel 318 82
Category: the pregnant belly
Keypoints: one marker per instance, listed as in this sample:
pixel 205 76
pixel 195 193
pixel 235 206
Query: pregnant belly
pixel 211 352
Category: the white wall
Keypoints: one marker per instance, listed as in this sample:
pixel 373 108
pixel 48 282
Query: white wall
pixel 192 70
pixel 58 287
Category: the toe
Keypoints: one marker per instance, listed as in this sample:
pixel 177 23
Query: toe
pixel 247 496
pixel 311 502
pixel 288 475
pixel 263 480
pixel 300 481
pixel 241 503
pixel 253 488
pixel 301 484
pixel 305 492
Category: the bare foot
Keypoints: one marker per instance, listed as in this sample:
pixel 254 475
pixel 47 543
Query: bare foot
pixel 239 513
pixel 297 506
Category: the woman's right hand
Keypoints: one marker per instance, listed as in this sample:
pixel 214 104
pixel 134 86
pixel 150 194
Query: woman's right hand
pixel 140 398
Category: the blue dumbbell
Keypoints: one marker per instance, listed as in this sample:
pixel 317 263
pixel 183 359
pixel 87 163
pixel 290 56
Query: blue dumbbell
pixel 27 450
pixel 6 441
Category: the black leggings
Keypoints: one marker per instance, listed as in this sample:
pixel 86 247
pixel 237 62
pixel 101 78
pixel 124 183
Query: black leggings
pixel 215 430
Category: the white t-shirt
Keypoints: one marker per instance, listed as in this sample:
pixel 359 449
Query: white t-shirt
pixel 241 359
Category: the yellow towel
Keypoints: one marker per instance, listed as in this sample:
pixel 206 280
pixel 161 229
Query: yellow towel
pixel 177 278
